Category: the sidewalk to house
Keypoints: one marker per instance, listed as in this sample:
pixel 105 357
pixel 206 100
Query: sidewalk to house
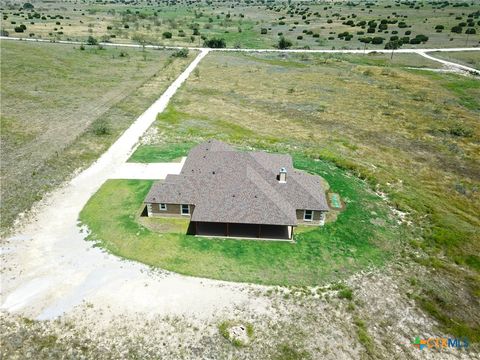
pixel 149 171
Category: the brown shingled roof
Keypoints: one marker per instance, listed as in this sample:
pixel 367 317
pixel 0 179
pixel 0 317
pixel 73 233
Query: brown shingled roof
pixel 227 185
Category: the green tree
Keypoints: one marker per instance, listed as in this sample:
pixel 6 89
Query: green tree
pixel 284 43
pixel 215 43
pixel 92 41
pixel 457 29
pixel 393 45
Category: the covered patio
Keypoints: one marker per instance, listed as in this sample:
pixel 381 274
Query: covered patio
pixel 238 230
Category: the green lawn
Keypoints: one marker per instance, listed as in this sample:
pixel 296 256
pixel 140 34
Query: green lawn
pixel 363 235
pixel 155 153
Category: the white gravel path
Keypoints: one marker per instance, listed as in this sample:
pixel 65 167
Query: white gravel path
pixel 150 171
pixel 449 64
pixel 48 268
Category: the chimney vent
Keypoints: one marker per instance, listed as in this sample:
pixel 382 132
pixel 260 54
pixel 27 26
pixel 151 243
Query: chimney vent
pixel 282 176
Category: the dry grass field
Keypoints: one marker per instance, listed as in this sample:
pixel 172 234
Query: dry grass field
pixel 62 107
pixel 410 133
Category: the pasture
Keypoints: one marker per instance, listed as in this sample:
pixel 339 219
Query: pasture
pixel 251 24
pixel 62 107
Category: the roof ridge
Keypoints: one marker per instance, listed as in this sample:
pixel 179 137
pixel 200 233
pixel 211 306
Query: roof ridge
pixel 308 190
pixel 278 200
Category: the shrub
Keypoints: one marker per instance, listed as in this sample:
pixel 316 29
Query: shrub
pixel 28 6
pixel 422 38
pixel 167 35
pixel 460 130
pixel 371 30
pixel 284 43
pixel 263 31
pixel 377 40
pixel 215 43
pixel 456 29
pixel 366 39
pixel 182 53
pixel 101 127
pixel 19 29
pixel 408 32
pixel 92 41
pixel 299 37
pixel 470 31
pixel 345 294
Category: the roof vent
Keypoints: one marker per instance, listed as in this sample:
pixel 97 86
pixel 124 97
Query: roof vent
pixel 282 175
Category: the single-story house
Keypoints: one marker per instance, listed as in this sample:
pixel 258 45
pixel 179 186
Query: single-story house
pixel 231 193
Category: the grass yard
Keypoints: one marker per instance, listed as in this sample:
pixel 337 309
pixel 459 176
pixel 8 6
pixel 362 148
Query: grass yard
pixel 468 58
pixel 155 153
pixel 364 235
pixel 62 107
pixel 412 134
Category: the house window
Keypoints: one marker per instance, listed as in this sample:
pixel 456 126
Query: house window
pixel 163 207
pixel 308 215
pixel 185 209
